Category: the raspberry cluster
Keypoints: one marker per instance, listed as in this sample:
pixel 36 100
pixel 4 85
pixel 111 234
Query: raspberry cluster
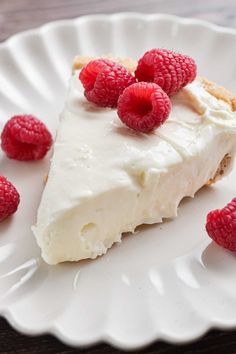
pixel 142 98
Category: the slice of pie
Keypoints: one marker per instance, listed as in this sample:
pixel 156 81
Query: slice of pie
pixel 106 179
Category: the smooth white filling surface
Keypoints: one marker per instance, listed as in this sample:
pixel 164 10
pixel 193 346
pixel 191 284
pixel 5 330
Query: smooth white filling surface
pixel 106 179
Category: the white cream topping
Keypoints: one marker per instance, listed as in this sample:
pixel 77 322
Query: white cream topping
pixel 106 179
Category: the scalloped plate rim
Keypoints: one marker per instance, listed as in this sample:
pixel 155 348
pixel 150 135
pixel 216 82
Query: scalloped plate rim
pixel 127 15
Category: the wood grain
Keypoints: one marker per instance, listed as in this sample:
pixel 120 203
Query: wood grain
pixel 18 15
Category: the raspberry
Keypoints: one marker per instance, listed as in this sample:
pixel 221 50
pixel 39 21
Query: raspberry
pixel 143 106
pixel 9 198
pixel 104 81
pixel 25 138
pixel 170 70
pixel 221 226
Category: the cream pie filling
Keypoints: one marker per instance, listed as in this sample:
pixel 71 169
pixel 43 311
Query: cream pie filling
pixel 106 179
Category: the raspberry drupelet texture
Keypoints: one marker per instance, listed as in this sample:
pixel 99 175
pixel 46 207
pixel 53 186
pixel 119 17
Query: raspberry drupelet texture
pixel 170 70
pixel 143 106
pixel 9 198
pixel 104 81
pixel 25 138
pixel 221 226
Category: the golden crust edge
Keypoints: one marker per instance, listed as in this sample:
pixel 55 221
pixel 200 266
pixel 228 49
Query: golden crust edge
pixel 219 92
pixel 221 170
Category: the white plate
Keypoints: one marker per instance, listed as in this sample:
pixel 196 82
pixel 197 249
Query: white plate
pixel 166 282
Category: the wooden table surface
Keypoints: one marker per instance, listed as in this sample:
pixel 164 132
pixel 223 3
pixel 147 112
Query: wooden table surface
pixel 18 15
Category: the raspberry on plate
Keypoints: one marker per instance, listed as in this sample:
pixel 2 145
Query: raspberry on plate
pixel 104 81
pixel 143 106
pixel 25 138
pixel 221 226
pixel 170 70
pixel 9 198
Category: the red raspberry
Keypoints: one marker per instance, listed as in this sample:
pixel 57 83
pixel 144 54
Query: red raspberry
pixel 9 198
pixel 221 226
pixel 104 81
pixel 143 106
pixel 170 70
pixel 25 138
